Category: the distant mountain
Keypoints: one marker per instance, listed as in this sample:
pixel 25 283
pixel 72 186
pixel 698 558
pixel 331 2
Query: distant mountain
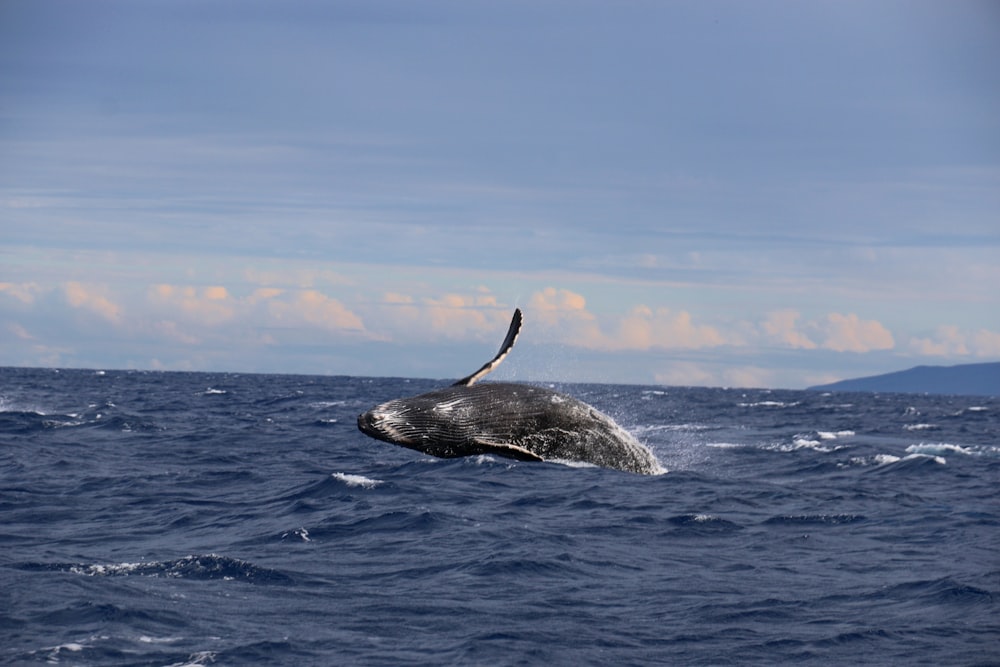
pixel 965 379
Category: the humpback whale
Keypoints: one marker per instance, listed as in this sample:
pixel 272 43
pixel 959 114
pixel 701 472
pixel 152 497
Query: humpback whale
pixel 517 421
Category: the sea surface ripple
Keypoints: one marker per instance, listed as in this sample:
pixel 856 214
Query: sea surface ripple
pixel 153 518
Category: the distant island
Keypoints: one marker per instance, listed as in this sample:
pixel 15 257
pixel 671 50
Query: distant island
pixel 964 379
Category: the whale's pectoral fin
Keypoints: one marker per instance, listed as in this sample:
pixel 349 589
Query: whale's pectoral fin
pixel 507 451
pixel 508 343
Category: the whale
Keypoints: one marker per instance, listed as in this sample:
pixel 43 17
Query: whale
pixel 513 420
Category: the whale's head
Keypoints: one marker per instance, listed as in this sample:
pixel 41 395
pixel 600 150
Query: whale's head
pixel 393 422
pixel 441 423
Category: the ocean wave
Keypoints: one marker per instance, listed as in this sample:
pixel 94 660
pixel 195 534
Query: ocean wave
pixel 919 427
pixel 944 448
pixel 833 435
pixel 815 519
pixel 204 567
pixel 770 404
pixel 356 480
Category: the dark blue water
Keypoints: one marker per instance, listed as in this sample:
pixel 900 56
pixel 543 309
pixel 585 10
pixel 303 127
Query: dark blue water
pixel 196 519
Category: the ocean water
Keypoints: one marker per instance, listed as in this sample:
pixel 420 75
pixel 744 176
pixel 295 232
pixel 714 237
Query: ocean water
pixel 152 518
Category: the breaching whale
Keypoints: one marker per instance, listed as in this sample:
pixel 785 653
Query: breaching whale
pixel 517 421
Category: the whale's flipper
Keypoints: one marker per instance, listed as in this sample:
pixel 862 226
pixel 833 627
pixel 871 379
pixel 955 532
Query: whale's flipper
pixel 508 451
pixel 508 343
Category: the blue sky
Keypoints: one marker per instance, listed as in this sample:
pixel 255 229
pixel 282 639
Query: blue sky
pixel 770 194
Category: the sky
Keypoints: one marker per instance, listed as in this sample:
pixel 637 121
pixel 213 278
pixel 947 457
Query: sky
pixel 727 193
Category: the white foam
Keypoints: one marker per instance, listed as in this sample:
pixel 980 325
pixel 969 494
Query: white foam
pixel 880 460
pixel 934 449
pixel 356 480
pixel 833 435
pixel 146 639
pixel 298 532
pixel 571 464
pixel 98 570
pixel 768 404
pixel 668 427
pixel 940 460
pixel 800 443
pixel 212 391
pixel 918 427
pixel 199 659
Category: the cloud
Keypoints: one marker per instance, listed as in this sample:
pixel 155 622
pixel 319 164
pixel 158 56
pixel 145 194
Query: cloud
pixel 208 306
pixel 644 328
pixel 263 294
pixel 986 343
pixel 89 297
pixel 566 316
pixel 849 333
pixel 563 317
pixel 477 315
pixel 24 292
pixel 312 307
pixel 553 300
pixel 950 341
pixel 19 331
pixel 780 326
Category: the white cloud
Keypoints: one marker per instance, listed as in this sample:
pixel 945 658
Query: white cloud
pixel 950 341
pixel 645 328
pixel 849 333
pixel 986 343
pixel 24 292
pixel 94 299
pixel 19 331
pixel 207 306
pixel 780 326
pixel 312 307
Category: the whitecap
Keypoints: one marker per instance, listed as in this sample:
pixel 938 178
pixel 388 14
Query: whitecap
pixel 768 404
pixel 356 480
pixel 800 443
pixel 146 639
pixel 98 570
pixel 934 449
pixel 211 391
pixel 833 435
pixel 918 427
pixel 940 460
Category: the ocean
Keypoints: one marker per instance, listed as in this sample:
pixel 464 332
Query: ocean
pixel 155 518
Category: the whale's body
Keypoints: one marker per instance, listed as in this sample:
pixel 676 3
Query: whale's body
pixel 518 421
